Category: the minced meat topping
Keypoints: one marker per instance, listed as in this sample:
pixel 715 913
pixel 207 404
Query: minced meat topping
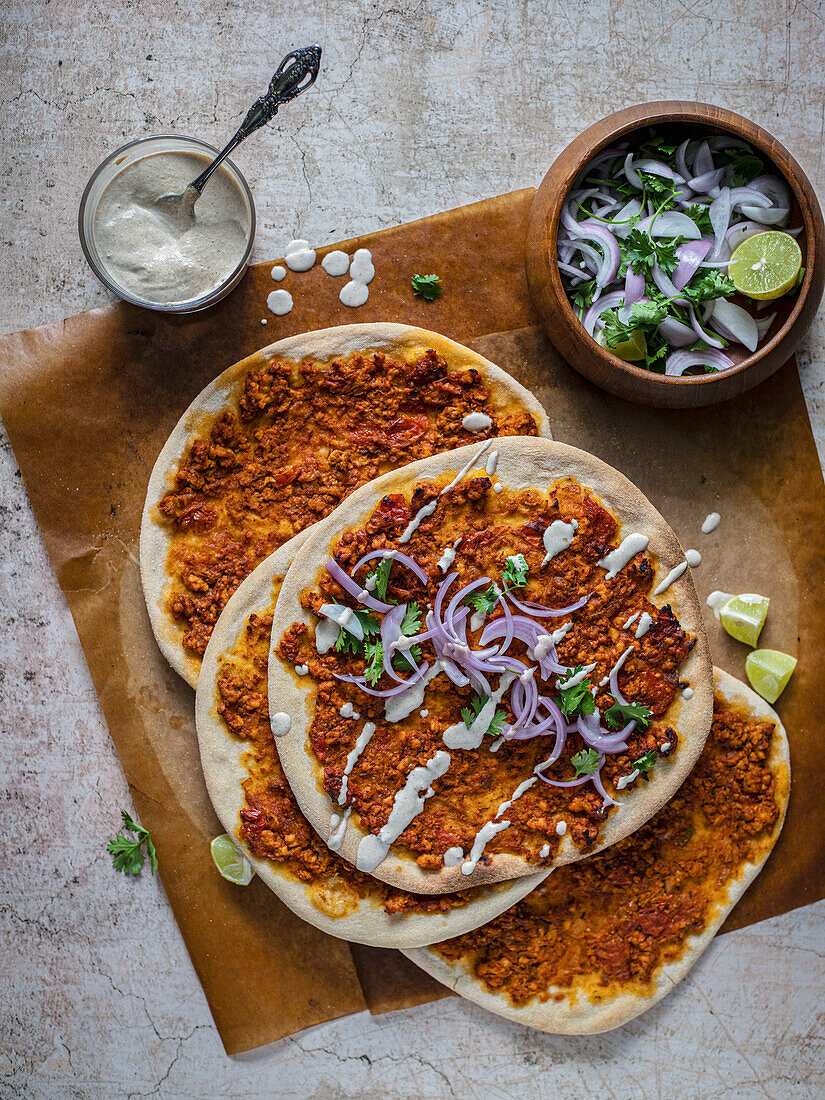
pixel 271 821
pixel 608 923
pixel 492 526
pixel 302 437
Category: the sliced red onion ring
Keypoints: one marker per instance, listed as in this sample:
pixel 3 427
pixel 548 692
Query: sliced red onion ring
pixel 572 272
pixel 593 231
pixel 681 159
pixel 634 287
pixel 626 219
pixel 563 782
pixel 396 555
pixel 609 301
pixel 676 334
pixel 667 288
pixel 766 216
pixel 390 633
pixel 707 180
pixel 701 332
pixel 672 223
pixel 680 361
pixel 606 799
pixel 592 735
pixel 720 210
pixel 353 588
pixel 360 681
pixel 740 232
pixel 690 256
pixel 775 188
pixel 748 196
pixel 763 324
pixel 539 612
pixel 657 168
pixel 735 323
pixel 703 161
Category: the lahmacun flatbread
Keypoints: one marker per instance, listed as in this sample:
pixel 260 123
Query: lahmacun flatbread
pixel 279 439
pixel 256 806
pixel 512 623
pixel 601 941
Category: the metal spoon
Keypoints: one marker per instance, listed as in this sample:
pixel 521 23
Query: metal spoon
pixel 294 75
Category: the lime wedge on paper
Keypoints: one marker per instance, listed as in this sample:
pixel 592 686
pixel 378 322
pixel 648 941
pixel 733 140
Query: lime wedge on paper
pixel 766 265
pixel 769 671
pixel 631 350
pixel 233 866
pixel 744 616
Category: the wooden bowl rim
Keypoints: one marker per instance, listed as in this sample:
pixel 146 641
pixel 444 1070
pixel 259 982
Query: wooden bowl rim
pixel 629 119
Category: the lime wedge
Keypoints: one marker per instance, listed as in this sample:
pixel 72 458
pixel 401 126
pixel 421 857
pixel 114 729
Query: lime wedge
pixel 233 866
pixel 744 616
pixel 631 350
pixel 769 671
pixel 766 265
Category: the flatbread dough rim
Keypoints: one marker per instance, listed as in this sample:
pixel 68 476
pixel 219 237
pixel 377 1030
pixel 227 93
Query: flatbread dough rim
pixel 522 462
pixel 588 1018
pixel 221 757
pixel 155 535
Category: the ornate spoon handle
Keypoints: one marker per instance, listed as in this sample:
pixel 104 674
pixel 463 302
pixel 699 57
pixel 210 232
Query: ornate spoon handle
pixel 294 75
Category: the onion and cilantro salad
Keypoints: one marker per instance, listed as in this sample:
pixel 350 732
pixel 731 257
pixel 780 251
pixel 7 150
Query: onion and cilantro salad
pixel 645 246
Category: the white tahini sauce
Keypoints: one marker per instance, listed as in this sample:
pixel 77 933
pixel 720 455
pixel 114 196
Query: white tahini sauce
pixel 326 632
pixel 465 469
pixel 397 707
pixel 492 462
pixel 424 713
pixel 453 856
pixel 626 780
pixel 348 711
pixel 279 302
pixel 299 256
pixel 335 263
pixel 483 837
pixel 711 522
pixel 302 670
pixel 337 828
pixel 476 422
pixel 645 623
pixel 407 805
pixel 448 556
pixel 558 537
pixel 617 559
pixel 278 273
pixel 618 665
pixel 364 738
pixel 146 254
pixel 498 487
pixel 561 828
pixel 576 678
pixel 672 576
pixel 627 625
pixel 545 851
pixel 687 693
pixel 517 793
pixel 361 273
pixel 716 601
pixel 412 526
pixel 461 736
pixel 280 723
pixel 693 558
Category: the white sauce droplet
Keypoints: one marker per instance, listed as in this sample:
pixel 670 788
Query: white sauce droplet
pixel 545 852
pixel 665 746
pixel 263 320
pixel 302 670
pixel 354 294
pixel 687 692
pixel 278 273
pixel 498 487
pixel 453 856
pixel 424 713
pixel 711 522
pixel 337 828
pixel 492 462
pixel 348 711
pixel 447 558
pixel 279 302
pixel 412 526
pixel 483 837
pixel 364 738
pixel 299 256
pixel 626 780
pixel 335 263
pixel 361 271
pixel 407 805
pixel 617 559
pixel 326 632
pixel 561 828
pixel 716 601
pixel 280 723
pixel 693 558
pixel 672 576
pixel 517 793
pixel 645 623
pixel 476 422
pixel 557 635
pixel 558 537
pixel 630 621
pixel 576 678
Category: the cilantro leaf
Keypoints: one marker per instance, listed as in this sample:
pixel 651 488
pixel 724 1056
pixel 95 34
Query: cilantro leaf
pixel 374 661
pixel 701 216
pixel 712 284
pixel 577 699
pixel 381 573
pixel 657 147
pixel 644 315
pixel 484 601
pixel 645 762
pixel 581 295
pixel 586 762
pixel 639 251
pixel 620 714
pixel 746 165
pixel 127 853
pixel 427 287
pixel 514 573
pixel 663 190
pixel 470 713
pixel 348 643
pixel 410 624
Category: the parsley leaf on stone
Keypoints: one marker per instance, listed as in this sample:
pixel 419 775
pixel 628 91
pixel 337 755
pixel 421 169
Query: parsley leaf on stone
pixel 128 853
pixel 427 287
pixel 577 699
pixel 618 715
pixel 586 762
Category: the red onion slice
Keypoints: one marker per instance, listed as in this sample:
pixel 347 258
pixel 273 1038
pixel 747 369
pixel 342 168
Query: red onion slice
pixel 703 161
pixel 396 555
pixel 539 612
pixel 720 210
pixel 593 736
pixel 735 323
pixel 676 334
pixel 766 216
pixel 609 301
pixel 360 681
pixel 680 361
pixel 353 588
pixel 702 333
pixel 634 287
pixel 690 256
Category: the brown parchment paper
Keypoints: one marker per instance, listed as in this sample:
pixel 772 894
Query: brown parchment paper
pixel 88 403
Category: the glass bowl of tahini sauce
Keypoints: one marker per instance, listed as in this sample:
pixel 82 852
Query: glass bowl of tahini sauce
pixel 134 251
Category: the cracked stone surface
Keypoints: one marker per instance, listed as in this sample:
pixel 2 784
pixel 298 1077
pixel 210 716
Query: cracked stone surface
pixel 421 106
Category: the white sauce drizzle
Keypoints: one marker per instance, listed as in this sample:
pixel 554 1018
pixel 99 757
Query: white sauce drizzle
pixel 492 462
pixel 687 693
pixel 364 738
pixel 558 537
pixel 557 635
pixel 496 745
pixel 453 856
pixel 693 558
pixel 716 601
pixel 361 271
pixel 467 467
pixel 483 837
pixel 477 620
pixel 645 623
pixel 498 487
pixel 412 526
pixel 448 556
pixel 561 828
pixel 476 422
pixel 279 302
pixel 617 667
pixel 348 711
pixel 278 273
pixel 335 263
pixel 665 746
pixel 302 670
pixel 407 805
pixel 626 780
pixel 517 793
pixel 545 852
pixel 711 522
pixel 630 621
pixel 326 632
pixel 672 576
pixel 280 723
pixel 337 828
pixel 299 256
pixel 424 713
pixel 462 736
pixel 617 559
pixel 402 705
pixel 576 678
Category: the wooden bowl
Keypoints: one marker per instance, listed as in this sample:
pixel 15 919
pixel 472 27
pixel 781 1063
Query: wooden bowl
pixel 565 330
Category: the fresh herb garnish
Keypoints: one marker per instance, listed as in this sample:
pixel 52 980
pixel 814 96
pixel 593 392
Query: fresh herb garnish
pixel 586 762
pixel 427 287
pixel 381 573
pixel 581 295
pixel 619 714
pixel 700 215
pixel 645 762
pixel 348 643
pixel 470 713
pixel 746 165
pixel 410 624
pixel 128 854
pixel 643 315
pixel 373 660
pixel 642 251
pixel 484 601
pixel 712 284
pixel 663 190
pixel 577 699
pixel 514 573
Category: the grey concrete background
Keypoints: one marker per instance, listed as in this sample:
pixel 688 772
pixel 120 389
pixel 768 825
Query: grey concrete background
pixel 423 105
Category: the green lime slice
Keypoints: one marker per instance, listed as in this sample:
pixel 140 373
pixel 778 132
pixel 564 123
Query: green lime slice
pixel 233 866
pixel 766 265
pixel 769 671
pixel 744 616
pixel 631 350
